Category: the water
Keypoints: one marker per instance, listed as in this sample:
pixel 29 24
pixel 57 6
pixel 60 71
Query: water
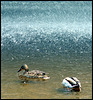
pixel 52 36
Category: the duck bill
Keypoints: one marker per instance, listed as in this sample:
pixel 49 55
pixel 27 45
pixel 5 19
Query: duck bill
pixel 19 70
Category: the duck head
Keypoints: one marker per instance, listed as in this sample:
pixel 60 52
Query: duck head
pixel 76 88
pixel 24 67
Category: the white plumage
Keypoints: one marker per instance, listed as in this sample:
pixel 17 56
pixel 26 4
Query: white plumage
pixel 71 83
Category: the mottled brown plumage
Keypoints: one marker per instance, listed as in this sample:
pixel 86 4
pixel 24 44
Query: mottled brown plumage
pixel 34 74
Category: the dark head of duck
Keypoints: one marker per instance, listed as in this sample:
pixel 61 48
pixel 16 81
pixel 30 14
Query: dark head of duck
pixel 76 88
pixel 24 67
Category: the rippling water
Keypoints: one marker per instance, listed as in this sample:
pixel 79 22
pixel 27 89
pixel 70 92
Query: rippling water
pixel 52 36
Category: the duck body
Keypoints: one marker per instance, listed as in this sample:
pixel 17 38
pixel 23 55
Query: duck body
pixel 34 74
pixel 72 83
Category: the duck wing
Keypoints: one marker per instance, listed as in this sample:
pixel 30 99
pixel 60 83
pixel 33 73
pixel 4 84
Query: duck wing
pixel 72 80
pixel 35 74
pixel 69 82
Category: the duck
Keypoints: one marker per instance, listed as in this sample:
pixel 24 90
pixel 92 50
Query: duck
pixel 72 84
pixel 29 75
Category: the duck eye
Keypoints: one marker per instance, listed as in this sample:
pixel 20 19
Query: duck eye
pixel 22 67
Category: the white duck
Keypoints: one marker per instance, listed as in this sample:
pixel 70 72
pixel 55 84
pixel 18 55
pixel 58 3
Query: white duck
pixel 34 74
pixel 71 83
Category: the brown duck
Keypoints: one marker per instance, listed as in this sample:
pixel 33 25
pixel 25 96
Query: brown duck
pixel 29 75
